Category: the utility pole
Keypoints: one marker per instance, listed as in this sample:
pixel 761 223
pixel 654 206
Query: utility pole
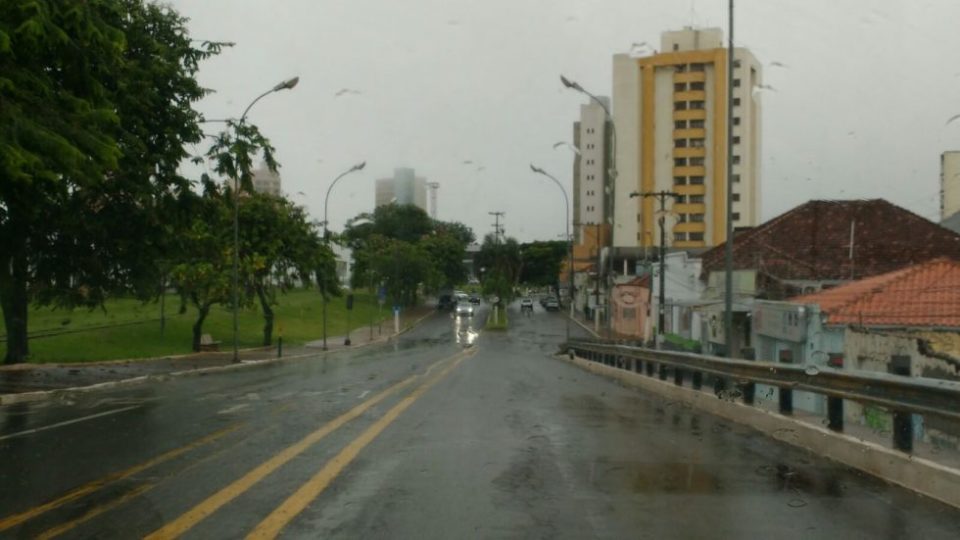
pixel 662 197
pixel 728 247
pixel 496 227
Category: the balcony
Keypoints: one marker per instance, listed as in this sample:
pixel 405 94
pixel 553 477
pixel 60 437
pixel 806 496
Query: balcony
pixel 690 170
pixel 690 114
pixel 690 95
pixel 689 226
pixel 690 76
pixel 689 152
pixel 690 133
pixel 690 189
pixel 690 208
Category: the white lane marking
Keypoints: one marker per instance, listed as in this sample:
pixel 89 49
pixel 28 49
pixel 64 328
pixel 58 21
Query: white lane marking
pixel 364 394
pixel 233 409
pixel 67 422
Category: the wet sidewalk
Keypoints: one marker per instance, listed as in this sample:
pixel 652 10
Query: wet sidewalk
pixel 22 378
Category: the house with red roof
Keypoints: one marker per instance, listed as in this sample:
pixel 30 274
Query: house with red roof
pixel 903 322
pixel 813 247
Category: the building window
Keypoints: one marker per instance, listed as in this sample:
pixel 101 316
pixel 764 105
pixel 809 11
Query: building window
pixel 696 143
pixel 696 86
pixel 696 161
pixel 736 102
pixel 696 218
pixel 736 120
pixel 736 83
pixel 676 46
pixel 696 199
pixel 696 180
pixel 679 237
pixel 680 124
pixel 681 218
pixel 680 180
pixel 736 216
pixel 736 179
pixel 680 143
pixel 680 105
pixel 697 105
pixel 736 139
pixel 699 66
pixel 696 237
pixel 680 162
pixel 697 124
pixel 680 68
pixel 736 160
pixel 736 63
pixel 681 199
pixel 736 197
pixel 679 87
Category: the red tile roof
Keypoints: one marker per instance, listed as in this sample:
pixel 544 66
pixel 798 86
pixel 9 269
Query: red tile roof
pixel 812 242
pixel 922 295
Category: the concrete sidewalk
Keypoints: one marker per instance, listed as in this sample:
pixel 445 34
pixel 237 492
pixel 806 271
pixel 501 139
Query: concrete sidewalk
pixel 22 378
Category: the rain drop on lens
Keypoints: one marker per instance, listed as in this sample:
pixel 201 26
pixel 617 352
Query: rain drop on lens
pixel 812 370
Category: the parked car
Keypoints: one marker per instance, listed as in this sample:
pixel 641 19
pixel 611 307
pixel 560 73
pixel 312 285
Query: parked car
pixel 464 309
pixel 551 304
pixel 526 304
pixel 475 299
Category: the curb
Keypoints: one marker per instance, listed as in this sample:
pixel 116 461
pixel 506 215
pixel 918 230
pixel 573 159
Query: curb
pixel 43 395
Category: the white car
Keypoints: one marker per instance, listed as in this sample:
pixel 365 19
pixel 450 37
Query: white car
pixel 464 309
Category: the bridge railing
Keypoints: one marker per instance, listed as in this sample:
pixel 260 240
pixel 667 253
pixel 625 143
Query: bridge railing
pixel 902 396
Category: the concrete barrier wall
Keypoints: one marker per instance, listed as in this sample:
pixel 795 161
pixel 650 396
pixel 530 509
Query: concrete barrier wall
pixel 917 474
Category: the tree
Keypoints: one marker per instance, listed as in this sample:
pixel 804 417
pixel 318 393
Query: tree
pixel 204 271
pixel 457 230
pixel 96 107
pixel 446 253
pixel 502 264
pixel 542 262
pixel 404 222
pixel 282 248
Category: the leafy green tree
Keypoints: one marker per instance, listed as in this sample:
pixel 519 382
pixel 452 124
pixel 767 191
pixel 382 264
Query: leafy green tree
pixel 502 264
pixel 542 262
pixel 446 252
pixel 96 107
pixel 282 248
pixel 457 230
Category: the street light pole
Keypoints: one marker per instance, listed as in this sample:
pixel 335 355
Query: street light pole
pixel 566 223
pixel 326 241
pixel 661 312
pixel 728 244
pixel 610 187
pixel 285 85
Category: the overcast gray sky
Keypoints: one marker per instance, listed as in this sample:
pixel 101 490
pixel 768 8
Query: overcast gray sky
pixel 859 110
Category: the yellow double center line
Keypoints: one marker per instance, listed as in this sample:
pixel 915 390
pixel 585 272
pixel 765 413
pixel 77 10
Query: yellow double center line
pixel 280 517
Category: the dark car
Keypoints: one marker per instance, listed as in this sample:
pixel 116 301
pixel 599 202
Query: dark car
pixel 474 299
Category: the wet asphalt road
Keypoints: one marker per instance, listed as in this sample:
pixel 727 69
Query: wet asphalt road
pixel 487 436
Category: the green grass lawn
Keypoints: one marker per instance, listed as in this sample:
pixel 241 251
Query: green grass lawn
pixel 298 319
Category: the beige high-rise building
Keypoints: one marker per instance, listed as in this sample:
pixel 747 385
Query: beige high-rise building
pixel 949 184
pixel 670 111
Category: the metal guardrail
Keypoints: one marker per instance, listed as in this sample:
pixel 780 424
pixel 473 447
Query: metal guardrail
pixel 903 396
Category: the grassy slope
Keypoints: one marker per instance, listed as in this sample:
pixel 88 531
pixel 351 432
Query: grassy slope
pixel 298 316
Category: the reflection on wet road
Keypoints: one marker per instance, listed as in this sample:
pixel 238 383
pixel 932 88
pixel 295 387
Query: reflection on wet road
pixel 448 432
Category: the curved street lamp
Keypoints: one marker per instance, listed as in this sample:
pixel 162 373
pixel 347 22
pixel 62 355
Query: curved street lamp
pixel 566 223
pixel 326 240
pixel 285 85
pixel 609 190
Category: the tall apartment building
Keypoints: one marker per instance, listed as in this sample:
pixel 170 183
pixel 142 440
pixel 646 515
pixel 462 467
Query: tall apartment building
pixel 670 110
pixel 949 184
pixel 405 187
pixel 266 181
pixel 591 136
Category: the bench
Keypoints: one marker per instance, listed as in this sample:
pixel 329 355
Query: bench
pixel 208 344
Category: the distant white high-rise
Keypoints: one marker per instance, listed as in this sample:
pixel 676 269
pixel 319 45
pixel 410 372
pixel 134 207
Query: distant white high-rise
pixel 266 181
pixel 403 188
pixel 949 183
